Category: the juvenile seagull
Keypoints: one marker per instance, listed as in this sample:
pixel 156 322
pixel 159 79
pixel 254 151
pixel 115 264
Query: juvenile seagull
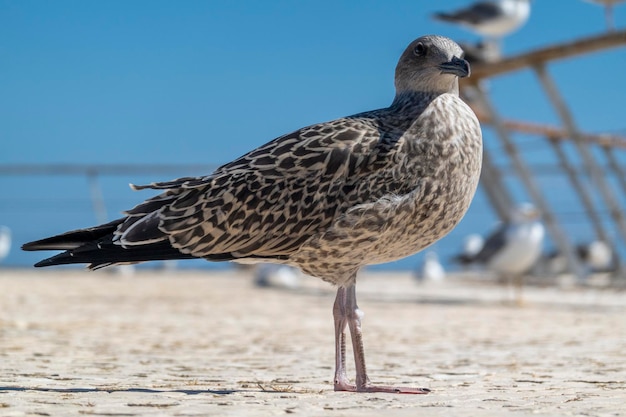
pixel 492 19
pixel 328 198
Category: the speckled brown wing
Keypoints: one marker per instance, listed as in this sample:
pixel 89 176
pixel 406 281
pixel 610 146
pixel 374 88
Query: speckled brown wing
pixel 271 200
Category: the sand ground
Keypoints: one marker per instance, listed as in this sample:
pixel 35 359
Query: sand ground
pixel 211 344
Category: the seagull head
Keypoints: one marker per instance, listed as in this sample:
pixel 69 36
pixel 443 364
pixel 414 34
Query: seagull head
pixel 431 64
pixel 526 212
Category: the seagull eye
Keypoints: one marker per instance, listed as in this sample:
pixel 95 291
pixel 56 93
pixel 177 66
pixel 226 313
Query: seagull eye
pixel 420 49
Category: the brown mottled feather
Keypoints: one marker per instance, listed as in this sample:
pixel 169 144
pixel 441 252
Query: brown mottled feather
pixel 329 197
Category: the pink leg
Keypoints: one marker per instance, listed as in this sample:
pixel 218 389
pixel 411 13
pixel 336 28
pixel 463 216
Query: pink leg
pixel 345 312
pixel 342 383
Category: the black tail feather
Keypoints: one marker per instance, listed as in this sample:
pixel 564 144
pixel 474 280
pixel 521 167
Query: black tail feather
pixel 94 246
pixel 99 255
pixel 74 238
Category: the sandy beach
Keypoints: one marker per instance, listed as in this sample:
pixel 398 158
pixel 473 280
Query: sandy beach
pixel 212 344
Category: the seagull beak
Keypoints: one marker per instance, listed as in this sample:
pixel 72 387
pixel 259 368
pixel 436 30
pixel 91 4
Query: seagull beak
pixel 456 66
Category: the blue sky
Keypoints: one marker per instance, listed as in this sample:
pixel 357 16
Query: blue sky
pixel 202 82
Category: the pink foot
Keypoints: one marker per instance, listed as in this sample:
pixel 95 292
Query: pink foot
pixel 393 390
pixel 344 386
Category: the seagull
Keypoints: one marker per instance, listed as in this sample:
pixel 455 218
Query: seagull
pixel 280 276
pixel 328 198
pixel 5 242
pixel 514 248
pixel 597 256
pixel 472 245
pixel 483 52
pixel 431 269
pixel 492 19
pixel 608 11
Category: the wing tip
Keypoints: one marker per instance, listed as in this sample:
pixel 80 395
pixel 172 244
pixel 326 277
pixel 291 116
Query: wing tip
pixel 442 16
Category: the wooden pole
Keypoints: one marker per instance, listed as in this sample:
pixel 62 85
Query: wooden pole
pixel 619 172
pixel 556 136
pixel 583 192
pixel 592 168
pixel 97 197
pixel 104 169
pixel 560 239
pixel 550 53
pixel 497 193
pixel 553 132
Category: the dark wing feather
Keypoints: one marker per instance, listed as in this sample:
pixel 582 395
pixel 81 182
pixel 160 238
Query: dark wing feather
pixel 493 244
pixel 265 204
pixel 74 238
pixel 268 202
pixel 474 14
pixel 105 253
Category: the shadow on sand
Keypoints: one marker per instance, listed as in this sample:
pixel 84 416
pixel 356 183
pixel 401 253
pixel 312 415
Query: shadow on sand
pixel 110 390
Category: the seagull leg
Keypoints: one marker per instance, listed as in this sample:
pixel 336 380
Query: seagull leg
pixel 518 281
pixel 346 310
pixel 342 383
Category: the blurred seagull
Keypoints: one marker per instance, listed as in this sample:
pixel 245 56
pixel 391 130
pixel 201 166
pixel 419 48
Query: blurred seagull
pixel 513 249
pixel 483 52
pixel 472 245
pixel 608 11
pixel 492 19
pixel 431 269
pixel 5 242
pixel 598 256
pixel 279 276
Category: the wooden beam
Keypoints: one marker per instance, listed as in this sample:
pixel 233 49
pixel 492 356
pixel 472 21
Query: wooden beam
pixel 558 236
pixel 553 132
pixel 550 53
pixel 497 194
pixel 582 191
pixel 588 159
pixel 105 169
pixel 619 172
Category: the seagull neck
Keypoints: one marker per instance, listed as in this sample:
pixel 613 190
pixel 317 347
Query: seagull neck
pixel 412 99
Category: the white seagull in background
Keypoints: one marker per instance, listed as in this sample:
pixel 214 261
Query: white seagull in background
pixel 279 276
pixel 5 242
pixel 431 269
pixel 491 19
pixel 483 52
pixel 598 256
pixel 514 248
pixel 608 11
pixel 472 245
